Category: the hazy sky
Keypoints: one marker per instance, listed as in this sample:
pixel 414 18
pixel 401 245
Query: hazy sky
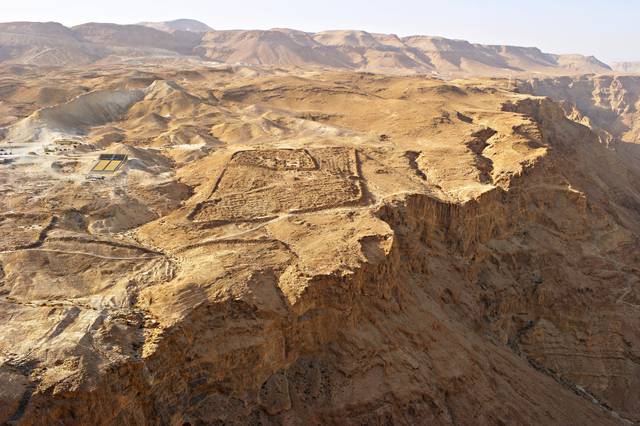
pixel 608 29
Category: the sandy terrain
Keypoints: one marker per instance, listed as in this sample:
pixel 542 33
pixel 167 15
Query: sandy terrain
pixel 317 247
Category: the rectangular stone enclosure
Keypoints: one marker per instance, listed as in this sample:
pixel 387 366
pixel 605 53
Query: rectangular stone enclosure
pixel 260 184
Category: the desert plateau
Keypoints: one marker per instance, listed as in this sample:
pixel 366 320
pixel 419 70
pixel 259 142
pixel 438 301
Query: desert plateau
pixel 278 227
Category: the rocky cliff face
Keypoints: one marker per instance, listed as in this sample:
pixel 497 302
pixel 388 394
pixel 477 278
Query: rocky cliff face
pixel 606 103
pixel 334 248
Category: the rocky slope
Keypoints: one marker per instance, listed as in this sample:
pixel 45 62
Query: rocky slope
pixel 34 43
pixel 137 37
pixel 44 44
pixel 330 247
pixel 607 104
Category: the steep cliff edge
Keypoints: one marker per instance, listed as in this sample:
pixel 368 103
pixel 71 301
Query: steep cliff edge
pixel 606 103
pixel 476 265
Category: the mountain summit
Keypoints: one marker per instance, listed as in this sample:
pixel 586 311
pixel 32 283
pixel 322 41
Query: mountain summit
pixel 190 25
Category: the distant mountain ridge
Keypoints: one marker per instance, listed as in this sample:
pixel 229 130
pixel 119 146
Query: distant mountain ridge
pixel 190 25
pixel 54 44
pixel 627 67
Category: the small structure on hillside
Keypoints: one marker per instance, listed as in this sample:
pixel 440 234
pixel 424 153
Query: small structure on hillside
pixel 109 163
